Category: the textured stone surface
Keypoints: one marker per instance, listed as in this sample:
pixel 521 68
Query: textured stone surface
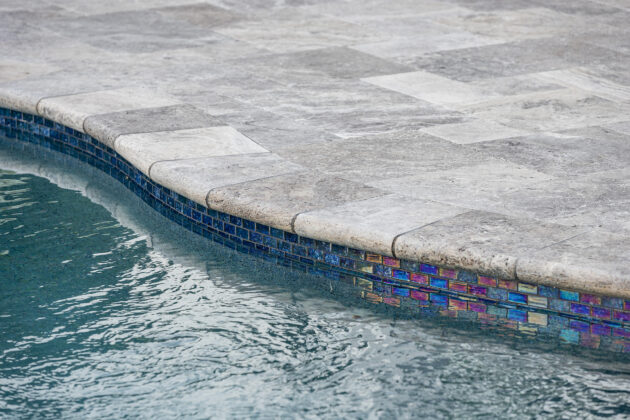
pixel 193 178
pixel 516 108
pixel 72 110
pixel 360 224
pixel 481 241
pixel 277 200
pixel 107 127
pixel 596 261
pixel 144 149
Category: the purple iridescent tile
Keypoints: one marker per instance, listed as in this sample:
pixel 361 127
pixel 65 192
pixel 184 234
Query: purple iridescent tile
pixel 622 316
pixel 599 329
pixel 602 313
pixel 576 308
pixel 579 326
pixel 478 290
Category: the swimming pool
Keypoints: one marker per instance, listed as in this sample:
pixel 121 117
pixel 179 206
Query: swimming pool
pixel 108 309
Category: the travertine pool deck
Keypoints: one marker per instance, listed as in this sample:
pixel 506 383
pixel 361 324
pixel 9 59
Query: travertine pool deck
pixel 491 136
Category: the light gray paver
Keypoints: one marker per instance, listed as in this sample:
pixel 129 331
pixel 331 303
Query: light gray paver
pixel 596 261
pixel 107 127
pixel 144 149
pixel 309 109
pixel 277 200
pixel 371 224
pixel 72 110
pixel 193 178
pixel 481 241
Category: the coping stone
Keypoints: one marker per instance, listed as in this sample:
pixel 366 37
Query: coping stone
pixel 145 149
pixel 193 178
pixel 72 110
pixel 371 224
pixel 276 201
pixel 107 127
pixel 596 261
pixel 480 241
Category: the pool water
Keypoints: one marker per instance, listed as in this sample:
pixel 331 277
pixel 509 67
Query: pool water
pixel 108 310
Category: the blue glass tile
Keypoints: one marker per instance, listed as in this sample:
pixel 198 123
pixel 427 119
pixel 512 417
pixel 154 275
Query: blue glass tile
pixel 338 249
pixel 547 291
pixel 241 233
pixel 498 294
pixel 428 269
pixel 277 233
pixel 570 336
pixel 579 325
pixel 517 315
pixel 249 225
pixel 611 302
pixel 438 299
pixel 441 283
pixel 572 296
pixel 299 250
pixel 346 263
pixel 400 274
pixel 517 297
pixel 291 237
pixel 255 237
pixel 316 254
pixel 382 270
pixel 400 291
pixel 284 246
pixel 576 308
pixel 332 259
pixel 559 305
pixel 262 228
pixel 466 276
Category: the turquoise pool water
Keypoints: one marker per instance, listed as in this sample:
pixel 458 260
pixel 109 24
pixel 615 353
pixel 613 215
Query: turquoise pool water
pixel 108 311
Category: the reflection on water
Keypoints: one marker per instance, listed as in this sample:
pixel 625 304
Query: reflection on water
pixel 105 310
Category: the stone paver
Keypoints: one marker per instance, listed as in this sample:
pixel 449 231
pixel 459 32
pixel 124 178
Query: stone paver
pixel 488 135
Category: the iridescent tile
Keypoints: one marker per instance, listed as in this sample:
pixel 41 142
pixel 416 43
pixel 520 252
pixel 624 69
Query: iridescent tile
pixel 600 329
pixel 487 281
pixel 571 296
pixel 601 313
pixel 477 307
pixel 517 315
pixel 392 262
pixel 364 266
pixel 517 298
pixel 458 287
pixel 497 311
pixel 570 336
pixel 537 318
pixel 507 284
pixel 527 288
pixel 392 301
pixel 621 332
pixel 400 291
pixel 498 294
pixel 448 273
pixel 373 298
pixel 418 295
pixel 458 305
pixel 478 290
pixel 440 300
pixel 332 259
pixel 612 302
pixel 467 276
pixel 400 274
pixel 626 305
pixel 381 288
pixel 382 270
pixel 419 278
pixel 439 283
pixel 579 325
pixel 590 341
pixel 577 308
pixel 590 299
pixel 410 265
pixel 559 305
pixel 537 301
pixel 364 284
pixel 429 269
pixel 622 316
pixel 375 258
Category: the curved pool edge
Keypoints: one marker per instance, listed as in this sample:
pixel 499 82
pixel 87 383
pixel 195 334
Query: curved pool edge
pixel 380 279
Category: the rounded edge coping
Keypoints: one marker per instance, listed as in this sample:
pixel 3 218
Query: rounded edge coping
pixel 573 278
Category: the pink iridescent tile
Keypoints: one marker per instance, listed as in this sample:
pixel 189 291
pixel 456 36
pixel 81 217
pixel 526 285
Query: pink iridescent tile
pixel 392 262
pixel 591 299
pixel 507 284
pixel 456 304
pixel 448 273
pixel 419 278
pixel 487 281
pixel 476 307
pixel 458 287
pixel 415 294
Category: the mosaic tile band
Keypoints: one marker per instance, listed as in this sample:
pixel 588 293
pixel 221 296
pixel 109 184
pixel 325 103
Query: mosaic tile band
pixel 579 318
